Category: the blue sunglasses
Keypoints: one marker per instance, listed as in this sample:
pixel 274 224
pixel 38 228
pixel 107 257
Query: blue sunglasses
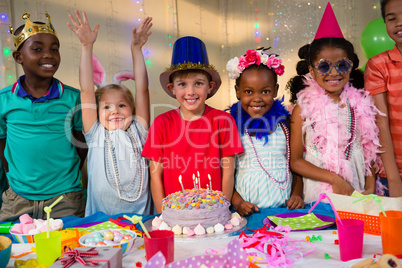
pixel 343 66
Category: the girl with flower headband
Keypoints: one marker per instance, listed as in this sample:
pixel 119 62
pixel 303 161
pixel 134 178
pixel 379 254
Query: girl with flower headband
pixel 263 178
pixel 334 138
pixel 118 175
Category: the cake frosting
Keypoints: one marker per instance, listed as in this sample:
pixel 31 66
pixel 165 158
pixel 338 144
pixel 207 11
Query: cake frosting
pixel 191 208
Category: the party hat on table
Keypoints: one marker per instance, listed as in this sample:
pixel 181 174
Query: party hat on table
pixel 329 26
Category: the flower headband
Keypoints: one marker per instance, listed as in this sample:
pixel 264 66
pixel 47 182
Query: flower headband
pixel 236 65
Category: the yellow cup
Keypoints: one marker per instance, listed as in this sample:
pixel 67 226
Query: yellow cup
pixel 48 249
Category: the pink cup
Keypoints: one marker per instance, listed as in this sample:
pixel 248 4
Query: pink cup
pixel 350 239
pixel 161 240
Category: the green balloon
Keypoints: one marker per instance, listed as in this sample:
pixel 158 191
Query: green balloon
pixel 374 38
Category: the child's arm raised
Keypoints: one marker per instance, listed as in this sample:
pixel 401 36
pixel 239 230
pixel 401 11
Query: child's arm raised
pixel 307 169
pixel 87 38
pixel 140 37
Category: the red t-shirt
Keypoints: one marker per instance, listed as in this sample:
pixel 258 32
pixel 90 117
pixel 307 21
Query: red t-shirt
pixel 185 147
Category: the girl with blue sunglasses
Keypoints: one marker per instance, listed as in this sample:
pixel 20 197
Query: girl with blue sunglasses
pixel 334 138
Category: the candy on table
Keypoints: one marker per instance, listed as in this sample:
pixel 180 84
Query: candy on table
pixel 219 228
pixel 326 256
pixel 108 237
pixel 235 221
pixel 177 230
pixel 25 219
pixel 27 227
pixel 33 226
pixel 199 230
pixel 164 226
pixel 157 221
pixel 210 230
pixel 16 229
pixel 30 263
pixel 228 226
pixel 190 232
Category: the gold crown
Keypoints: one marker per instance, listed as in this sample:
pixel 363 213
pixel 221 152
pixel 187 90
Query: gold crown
pixel 31 29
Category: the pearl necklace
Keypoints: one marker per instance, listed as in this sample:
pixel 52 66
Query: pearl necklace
pixel 114 179
pixel 287 178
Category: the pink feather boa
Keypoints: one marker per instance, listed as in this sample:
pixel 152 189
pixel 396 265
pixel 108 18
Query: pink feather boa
pixel 330 134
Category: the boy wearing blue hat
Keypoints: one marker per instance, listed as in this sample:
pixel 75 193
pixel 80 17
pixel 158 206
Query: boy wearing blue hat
pixel 194 140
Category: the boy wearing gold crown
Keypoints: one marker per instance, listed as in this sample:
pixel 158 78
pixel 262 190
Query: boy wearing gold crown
pixel 38 117
pixel 194 140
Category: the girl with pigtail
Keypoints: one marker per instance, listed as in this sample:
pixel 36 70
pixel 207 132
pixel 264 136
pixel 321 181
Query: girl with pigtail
pixel 334 138
pixel 117 173
pixel 263 178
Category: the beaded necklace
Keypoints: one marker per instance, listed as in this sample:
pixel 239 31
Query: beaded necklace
pixel 287 178
pixel 351 130
pixel 133 190
pixel 331 136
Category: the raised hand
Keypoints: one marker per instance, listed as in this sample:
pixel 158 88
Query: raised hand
pixel 140 36
pixel 81 28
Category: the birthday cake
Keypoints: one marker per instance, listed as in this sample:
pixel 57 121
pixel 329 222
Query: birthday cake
pixel 200 211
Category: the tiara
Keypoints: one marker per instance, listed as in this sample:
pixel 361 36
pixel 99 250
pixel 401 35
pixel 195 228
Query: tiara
pixel 31 29
pixel 236 66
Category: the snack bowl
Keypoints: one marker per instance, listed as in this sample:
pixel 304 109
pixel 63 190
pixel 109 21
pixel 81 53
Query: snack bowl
pixel 25 238
pixel 112 241
pixel 40 226
pixel 5 251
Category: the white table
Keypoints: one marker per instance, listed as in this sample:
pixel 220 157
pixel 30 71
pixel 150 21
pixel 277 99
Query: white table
pixel 184 249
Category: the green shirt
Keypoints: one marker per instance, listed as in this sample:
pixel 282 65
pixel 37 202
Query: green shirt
pixel 42 161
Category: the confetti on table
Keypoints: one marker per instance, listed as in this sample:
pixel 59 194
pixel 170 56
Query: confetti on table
pixel 326 256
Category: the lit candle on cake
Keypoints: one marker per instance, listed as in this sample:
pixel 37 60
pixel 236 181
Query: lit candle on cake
pixel 181 184
pixel 196 185
pixel 207 189
pixel 199 179
pixel 194 181
pixel 210 182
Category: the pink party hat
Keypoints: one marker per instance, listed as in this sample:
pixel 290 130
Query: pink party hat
pixel 329 26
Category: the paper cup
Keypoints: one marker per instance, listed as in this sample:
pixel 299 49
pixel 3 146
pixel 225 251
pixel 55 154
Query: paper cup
pixel 350 239
pixel 161 240
pixel 391 232
pixel 48 249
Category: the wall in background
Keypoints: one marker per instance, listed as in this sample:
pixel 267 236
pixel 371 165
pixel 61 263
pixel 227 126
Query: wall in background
pixel 228 28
